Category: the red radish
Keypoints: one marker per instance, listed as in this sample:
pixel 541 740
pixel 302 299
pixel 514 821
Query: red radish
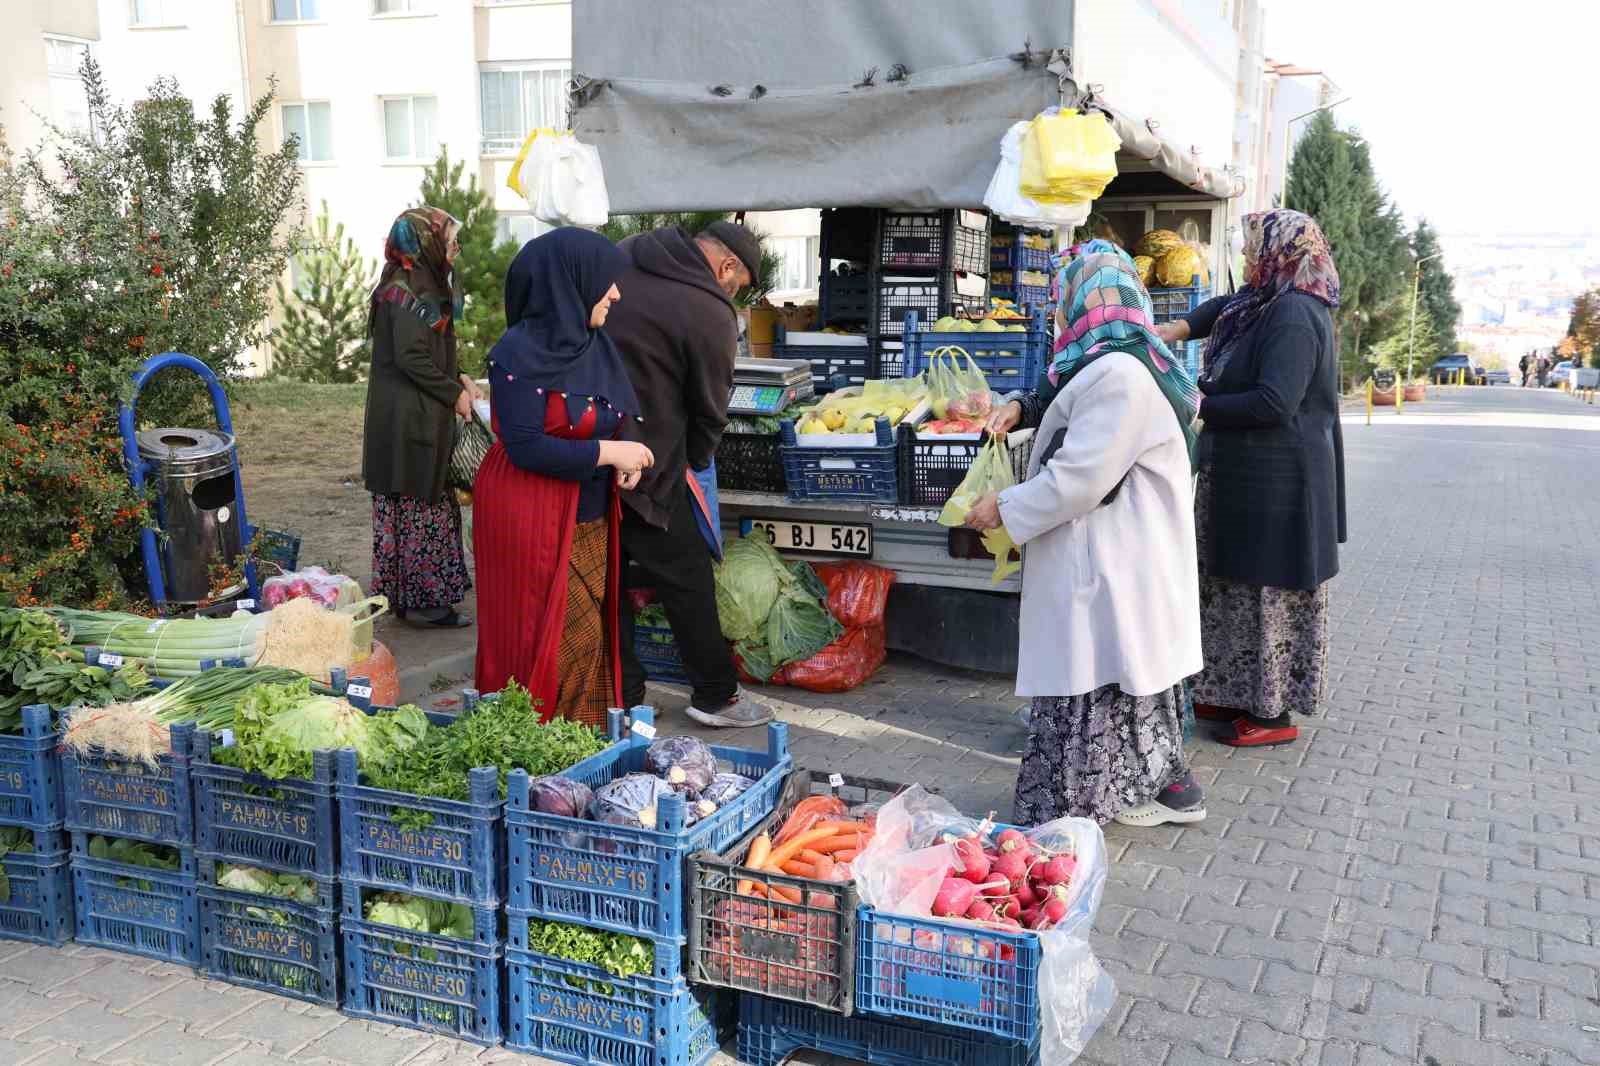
pixel 1027 896
pixel 1054 911
pixel 974 863
pixel 1009 907
pixel 1011 840
pixel 1058 871
pixel 1060 892
pixel 1030 916
pixel 955 896
pixel 1011 866
pixel 980 911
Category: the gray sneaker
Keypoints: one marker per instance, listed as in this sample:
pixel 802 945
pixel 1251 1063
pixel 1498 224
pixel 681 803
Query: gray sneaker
pixel 742 712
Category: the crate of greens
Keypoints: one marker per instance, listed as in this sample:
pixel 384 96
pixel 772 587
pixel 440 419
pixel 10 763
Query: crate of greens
pixel 41 670
pixel 125 766
pixel 776 912
pixel 430 823
pixel 266 798
pixel 611 854
pixel 35 886
pixel 135 896
pixel 584 1013
pixel 422 963
pixel 269 931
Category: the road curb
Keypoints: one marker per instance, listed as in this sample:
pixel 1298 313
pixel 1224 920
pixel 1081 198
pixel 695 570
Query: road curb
pixel 417 682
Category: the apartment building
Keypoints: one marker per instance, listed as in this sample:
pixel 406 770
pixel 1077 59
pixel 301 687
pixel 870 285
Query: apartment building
pixel 40 53
pixel 1289 96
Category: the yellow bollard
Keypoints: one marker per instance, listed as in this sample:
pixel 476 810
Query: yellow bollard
pixel 1369 401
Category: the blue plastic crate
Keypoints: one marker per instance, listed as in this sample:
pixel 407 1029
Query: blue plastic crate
pixel 841 472
pixel 434 983
pixel 459 857
pixel 128 798
pixel 248 818
pixel 1176 303
pixel 830 355
pixel 38 904
pixel 658 653
pixel 154 913
pixel 948 973
pixel 30 772
pixel 207 867
pixel 1024 295
pixel 771 1030
pixel 275 945
pixel 1016 257
pixel 1009 361
pixel 581 1014
pixel 622 878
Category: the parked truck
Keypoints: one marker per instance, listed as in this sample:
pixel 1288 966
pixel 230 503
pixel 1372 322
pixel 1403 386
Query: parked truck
pixel 896 106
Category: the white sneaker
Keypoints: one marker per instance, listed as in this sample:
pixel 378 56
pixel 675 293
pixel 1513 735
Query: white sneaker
pixel 742 712
pixel 1157 813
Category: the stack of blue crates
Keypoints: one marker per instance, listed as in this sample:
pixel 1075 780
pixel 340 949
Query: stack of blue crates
pixel 278 825
pixel 625 880
pixel 1176 303
pixel 126 906
pixel 1013 265
pixel 35 857
pixel 451 851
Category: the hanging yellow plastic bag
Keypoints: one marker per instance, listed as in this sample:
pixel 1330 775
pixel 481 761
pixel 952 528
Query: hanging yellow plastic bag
pixel 990 472
pixel 1068 157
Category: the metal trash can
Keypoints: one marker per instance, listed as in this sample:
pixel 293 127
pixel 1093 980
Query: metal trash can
pixel 192 472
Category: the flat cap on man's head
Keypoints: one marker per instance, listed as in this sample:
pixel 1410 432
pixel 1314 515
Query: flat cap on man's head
pixel 740 241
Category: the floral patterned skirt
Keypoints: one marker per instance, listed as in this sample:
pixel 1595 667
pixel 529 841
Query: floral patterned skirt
pixel 417 557
pixel 1094 755
pixel 1266 648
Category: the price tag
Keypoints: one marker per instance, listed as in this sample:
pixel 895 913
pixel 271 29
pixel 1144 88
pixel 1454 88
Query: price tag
pixel 245 604
pixel 156 625
pixel 111 659
pixel 360 692
pixel 227 738
pixel 835 780
pixel 645 730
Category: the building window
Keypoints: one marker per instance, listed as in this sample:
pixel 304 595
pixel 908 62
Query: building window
pixel 402 7
pixel 311 124
pixel 294 10
pixel 517 100
pixel 69 103
pixel 155 12
pixel 408 128
pixel 518 229
pixel 798 268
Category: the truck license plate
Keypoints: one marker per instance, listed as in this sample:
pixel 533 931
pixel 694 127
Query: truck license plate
pixel 816 538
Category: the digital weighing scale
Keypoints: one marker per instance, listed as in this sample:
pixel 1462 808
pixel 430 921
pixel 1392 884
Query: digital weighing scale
pixel 769 386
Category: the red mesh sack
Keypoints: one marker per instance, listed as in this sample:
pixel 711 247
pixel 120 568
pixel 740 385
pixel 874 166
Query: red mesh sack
pixel 842 665
pixel 858 593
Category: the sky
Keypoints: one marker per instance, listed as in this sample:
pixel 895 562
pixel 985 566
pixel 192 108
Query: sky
pixel 1483 117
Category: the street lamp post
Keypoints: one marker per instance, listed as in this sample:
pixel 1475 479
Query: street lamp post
pixel 1416 283
pixel 1288 128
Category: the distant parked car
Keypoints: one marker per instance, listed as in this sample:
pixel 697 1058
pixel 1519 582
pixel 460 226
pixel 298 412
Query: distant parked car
pixel 1446 370
pixel 1558 374
pixel 1497 377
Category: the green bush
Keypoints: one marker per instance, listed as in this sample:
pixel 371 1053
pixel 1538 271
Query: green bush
pixel 163 231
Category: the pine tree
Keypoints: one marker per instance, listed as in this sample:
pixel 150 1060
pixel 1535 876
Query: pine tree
pixel 1436 292
pixel 324 331
pixel 483 262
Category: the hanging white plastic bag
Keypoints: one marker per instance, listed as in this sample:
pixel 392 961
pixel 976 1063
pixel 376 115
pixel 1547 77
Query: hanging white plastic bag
pixel 562 180
pixel 1006 199
pixel 1064 861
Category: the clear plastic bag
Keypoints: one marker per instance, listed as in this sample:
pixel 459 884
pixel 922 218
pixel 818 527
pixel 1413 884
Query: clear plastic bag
pixel 991 471
pixel 1006 199
pixel 330 590
pixel 913 851
pixel 685 763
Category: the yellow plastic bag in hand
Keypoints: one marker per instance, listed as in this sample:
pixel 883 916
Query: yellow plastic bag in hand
pixel 990 472
pixel 1068 157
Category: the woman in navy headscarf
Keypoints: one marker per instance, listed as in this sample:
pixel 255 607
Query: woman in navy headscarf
pixel 545 507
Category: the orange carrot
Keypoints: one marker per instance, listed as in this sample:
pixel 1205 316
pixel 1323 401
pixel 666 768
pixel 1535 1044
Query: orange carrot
pixel 845 856
pixel 760 848
pixel 842 826
pixel 788 850
pixel 824 867
pixel 806 813
pixel 783 892
pixel 796 868
pixel 842 842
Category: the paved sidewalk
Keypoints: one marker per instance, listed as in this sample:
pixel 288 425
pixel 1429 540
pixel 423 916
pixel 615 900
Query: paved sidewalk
pixel 1417 881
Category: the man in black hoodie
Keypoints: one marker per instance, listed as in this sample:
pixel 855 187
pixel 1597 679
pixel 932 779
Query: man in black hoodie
pixel 679 334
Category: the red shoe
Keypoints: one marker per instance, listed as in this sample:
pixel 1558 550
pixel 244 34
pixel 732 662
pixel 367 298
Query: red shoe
pixel 1246 734
pixel 1206 712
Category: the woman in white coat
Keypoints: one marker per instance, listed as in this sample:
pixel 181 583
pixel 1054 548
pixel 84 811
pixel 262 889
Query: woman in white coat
pixel 1110 623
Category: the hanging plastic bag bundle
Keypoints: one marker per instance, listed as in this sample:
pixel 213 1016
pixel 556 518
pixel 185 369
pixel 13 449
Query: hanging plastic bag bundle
pixel 990 472
pixel 1006 200
pixel 562 180
pixel 1068 156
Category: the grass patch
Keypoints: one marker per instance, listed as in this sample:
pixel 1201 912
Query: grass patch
pixel 300 396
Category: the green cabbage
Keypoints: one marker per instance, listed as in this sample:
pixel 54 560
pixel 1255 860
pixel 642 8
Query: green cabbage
pixel 277 727
pixel 799 627
pixel 749 579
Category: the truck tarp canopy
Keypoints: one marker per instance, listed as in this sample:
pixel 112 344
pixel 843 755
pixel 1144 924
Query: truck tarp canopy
pixel 761 104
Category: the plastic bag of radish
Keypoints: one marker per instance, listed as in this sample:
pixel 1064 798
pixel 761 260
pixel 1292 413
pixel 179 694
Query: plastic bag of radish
pixel 928 860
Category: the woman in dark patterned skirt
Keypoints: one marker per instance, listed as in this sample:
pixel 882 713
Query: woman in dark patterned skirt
pixel 1270 507
pixel 1110 621
pixel 414 394
pixel 545 502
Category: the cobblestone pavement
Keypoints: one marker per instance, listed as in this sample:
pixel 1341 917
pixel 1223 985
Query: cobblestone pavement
pixel 1417 881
